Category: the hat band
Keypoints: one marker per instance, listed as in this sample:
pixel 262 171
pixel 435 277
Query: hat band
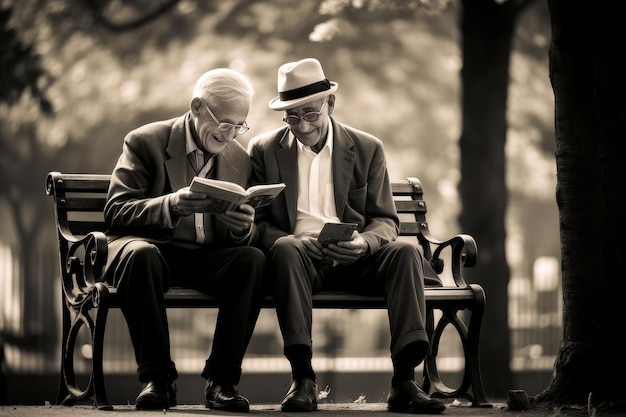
pixel 307 90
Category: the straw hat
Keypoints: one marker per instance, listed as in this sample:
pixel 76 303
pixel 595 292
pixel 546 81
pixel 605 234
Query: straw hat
pixel 301 82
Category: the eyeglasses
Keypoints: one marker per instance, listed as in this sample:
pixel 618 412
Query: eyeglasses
pixel 227 127
pixel 312 116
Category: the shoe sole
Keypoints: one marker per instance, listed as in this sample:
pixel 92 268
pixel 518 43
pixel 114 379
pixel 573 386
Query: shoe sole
pixel 235 408
pixel 152 405
pixel 412 410
pixel 298 408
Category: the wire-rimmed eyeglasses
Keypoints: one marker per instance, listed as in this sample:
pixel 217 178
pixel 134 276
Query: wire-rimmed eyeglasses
pixel 227 127
pixel 312 116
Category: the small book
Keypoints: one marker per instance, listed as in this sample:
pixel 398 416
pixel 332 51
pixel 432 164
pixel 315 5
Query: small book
pixel 335 232
pixel 224 195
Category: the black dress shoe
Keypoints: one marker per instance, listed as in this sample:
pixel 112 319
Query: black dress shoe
pixel 410 398
pixel 156 395
pixel 224 397
pixel 302 396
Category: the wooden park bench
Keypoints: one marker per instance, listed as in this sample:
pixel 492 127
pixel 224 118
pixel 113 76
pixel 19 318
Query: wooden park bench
pixel 78 207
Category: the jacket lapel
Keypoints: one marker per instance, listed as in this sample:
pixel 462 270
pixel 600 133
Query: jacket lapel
pixel 343 163
pixel 287 159
pixel 176 166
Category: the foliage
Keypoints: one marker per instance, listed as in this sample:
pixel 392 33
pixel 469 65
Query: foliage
pixel 397 88
pixel 20 68
pixel 116 65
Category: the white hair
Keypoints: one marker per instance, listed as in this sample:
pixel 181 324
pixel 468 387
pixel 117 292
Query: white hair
pixel 223 85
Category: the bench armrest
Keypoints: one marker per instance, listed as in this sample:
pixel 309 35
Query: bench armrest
pixel 84 264
pixel 463 253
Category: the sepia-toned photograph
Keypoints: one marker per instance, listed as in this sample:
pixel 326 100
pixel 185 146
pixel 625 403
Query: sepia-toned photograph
pixel 171 168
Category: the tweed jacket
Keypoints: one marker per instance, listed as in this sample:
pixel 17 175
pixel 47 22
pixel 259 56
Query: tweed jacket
pixel 361 184
pixel 153 164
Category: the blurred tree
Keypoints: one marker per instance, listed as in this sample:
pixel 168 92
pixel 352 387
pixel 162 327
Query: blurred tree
pixel 31 144
pixel 122 16
pixel 587 74
pixel 20 73
pixel 487 28
pixel 20 67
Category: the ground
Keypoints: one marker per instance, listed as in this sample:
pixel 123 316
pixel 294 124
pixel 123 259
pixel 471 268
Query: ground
pixel 325 410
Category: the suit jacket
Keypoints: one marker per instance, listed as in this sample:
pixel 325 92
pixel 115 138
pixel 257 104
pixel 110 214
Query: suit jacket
pixel 153 164
pixel 361 184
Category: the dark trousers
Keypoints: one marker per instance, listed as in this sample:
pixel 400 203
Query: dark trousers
pixel 395 271
pixel 235 275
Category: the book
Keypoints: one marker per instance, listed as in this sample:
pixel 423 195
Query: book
pixel 225 195
pixel 335 232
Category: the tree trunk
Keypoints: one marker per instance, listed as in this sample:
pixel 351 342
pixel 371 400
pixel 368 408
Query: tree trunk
pixel 487 30
pixel 587 72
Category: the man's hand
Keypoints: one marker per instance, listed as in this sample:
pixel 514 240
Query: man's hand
pixel 311 245
pixel 347 252
pixel 184 202
pixel 238 221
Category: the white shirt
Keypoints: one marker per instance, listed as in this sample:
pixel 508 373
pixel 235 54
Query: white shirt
pixel 191 147
pixel 316 196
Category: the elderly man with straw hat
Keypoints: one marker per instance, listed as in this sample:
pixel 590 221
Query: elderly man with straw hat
pixel 335 174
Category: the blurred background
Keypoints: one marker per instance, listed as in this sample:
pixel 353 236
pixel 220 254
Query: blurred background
pixel 106 72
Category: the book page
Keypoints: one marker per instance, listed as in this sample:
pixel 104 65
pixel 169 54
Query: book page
pixel 220 195
pixel 262 195
pixel 206 185
pixel 224 195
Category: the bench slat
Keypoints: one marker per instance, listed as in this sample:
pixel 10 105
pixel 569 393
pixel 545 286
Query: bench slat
pixel 410 206
pixel 409 229
pixel 84 182
pixel 404 189
pixel 82 228
pixel 82 203
pixel 189 298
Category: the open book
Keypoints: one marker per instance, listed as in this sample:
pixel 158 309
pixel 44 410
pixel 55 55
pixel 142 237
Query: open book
pixel 224 195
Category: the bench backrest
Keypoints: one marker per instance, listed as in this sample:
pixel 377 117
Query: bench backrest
pixel 79 202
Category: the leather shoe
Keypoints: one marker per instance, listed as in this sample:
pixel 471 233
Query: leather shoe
pixel 302 396
pixel 410 398
pixel 224 397
pixel 156 395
